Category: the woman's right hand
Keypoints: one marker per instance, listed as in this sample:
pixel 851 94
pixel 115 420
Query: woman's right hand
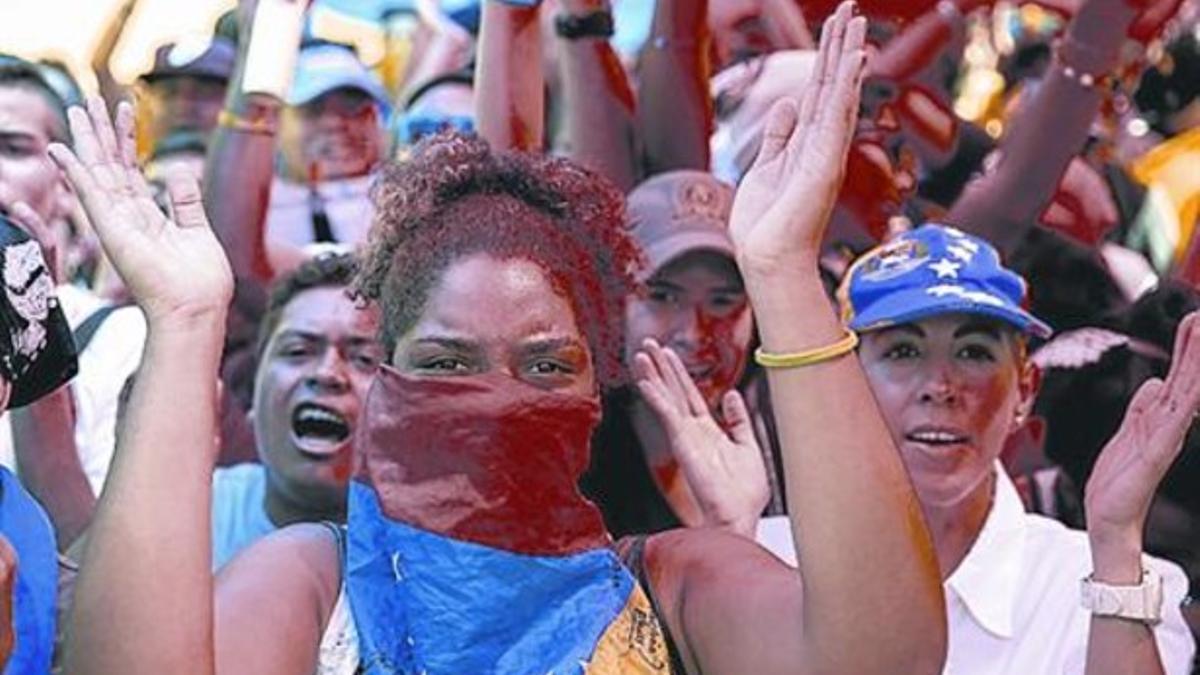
pixel 783 204
pixel 174 268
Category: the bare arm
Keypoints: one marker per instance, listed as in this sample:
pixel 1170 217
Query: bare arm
pixel 849 490
pixel 675 112
pixel 273 601
pixel 110 89
pixel 597 102
pixel 509 84
pixel 143 601
pixel 1047 132
pixel 44 441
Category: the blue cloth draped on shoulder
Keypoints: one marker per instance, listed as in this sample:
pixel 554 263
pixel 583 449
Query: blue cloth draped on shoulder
pixel 25 525
pixel 470 550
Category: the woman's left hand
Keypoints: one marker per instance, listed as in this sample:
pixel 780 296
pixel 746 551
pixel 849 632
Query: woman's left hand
pixel 723 466
pixel 1137 457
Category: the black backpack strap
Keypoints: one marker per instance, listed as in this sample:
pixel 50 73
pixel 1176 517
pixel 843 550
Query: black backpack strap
pixel 87 330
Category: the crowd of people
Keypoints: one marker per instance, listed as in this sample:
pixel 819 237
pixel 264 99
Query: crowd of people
pixel 774 345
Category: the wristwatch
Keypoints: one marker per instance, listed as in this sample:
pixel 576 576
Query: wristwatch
pixel 597 24
pixel 1141 603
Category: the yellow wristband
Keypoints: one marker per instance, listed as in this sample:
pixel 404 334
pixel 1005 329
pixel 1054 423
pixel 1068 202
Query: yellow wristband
pixel 260 127
pixel 810 357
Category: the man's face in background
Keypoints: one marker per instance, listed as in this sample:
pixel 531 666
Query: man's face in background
pixel 28 125
pixel 335 136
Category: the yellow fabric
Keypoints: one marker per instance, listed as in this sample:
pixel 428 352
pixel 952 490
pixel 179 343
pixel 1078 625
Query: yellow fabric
pixel 634 642
pixel 1171 171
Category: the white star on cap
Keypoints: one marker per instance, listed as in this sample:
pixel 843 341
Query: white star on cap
pixel 945 268
pixel 961 252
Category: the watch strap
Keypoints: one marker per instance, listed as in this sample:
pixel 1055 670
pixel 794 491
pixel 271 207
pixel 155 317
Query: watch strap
pixel 597 24
pixel 1142 603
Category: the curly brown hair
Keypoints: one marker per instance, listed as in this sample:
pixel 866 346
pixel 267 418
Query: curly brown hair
pixel 453 197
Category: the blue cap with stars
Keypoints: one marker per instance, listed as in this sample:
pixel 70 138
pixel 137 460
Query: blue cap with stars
pixel 933 270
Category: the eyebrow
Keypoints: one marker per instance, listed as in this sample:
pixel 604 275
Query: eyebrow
pixel 910 328
pixel 550 344
pixel 986 328
pixel 458 344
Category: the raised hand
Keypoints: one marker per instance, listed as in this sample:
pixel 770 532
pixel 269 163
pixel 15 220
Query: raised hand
pixel 1130 467
pixel 723 466
pixel 783 204
pixel 174 268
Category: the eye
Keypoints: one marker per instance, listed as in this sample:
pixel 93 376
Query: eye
pixel 726 303
pixel 295 350
pixel 445 364
pixel 366 360
pixel 901 351
pixel 976 353
pixel 662 295
pixel 14 148
pixel 550 367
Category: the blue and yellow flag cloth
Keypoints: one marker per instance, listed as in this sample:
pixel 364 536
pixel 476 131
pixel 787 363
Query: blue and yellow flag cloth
pixel 470 549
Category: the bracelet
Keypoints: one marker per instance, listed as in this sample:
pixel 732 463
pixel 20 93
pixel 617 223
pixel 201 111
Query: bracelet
pixel 597 24
pixel 259 127
pixel 810 357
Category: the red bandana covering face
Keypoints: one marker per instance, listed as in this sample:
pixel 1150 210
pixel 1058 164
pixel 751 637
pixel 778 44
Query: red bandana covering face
pixel 484 459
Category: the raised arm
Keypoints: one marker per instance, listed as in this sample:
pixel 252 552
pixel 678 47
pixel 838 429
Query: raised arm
pixel 110 89
pixel 1118 497
pixel 675 112
pixel 853 510
pixel 509 83
pixel 598 106
pixel 1051 128
pixel 143 600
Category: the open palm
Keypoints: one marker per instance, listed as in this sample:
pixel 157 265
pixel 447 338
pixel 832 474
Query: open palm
pixel 173 268
pixel 784 201
pixel 1130 467
pixel 723 468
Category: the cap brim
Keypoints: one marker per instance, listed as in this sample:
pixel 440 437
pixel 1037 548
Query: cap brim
pixel 312 89
pixel 663 252
pixel 915 305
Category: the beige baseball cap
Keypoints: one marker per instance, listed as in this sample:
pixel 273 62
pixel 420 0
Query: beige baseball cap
pixel 679 212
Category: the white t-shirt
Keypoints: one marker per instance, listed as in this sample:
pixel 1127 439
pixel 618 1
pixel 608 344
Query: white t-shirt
pixel 239 516
pixel 1013 603
pixel 347 205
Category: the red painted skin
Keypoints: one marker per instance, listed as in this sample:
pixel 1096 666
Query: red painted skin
pixel 499 466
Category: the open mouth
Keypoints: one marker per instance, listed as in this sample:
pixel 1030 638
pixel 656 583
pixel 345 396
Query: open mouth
pixel 318 430
pixel 937 438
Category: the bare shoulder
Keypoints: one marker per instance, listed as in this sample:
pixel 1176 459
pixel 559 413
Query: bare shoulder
pixel 730 605
pixel 274 599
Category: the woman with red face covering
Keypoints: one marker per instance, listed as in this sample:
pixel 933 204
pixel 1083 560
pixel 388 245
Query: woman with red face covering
pixel 468 547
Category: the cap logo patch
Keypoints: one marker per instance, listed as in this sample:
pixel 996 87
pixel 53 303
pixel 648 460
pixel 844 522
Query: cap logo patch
pixel 700 199
pixel 958 291
pixel 895 259
pixel 187 51
pixel 28 286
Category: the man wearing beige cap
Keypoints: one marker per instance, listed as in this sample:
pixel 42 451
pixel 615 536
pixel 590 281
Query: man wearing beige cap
pixel 692 300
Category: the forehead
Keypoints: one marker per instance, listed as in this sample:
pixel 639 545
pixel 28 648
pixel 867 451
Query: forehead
pixel 327 311
pixel 953 325
pixel 24 111
pixel 490 299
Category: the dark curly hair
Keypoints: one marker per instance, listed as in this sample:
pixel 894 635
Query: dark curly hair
pixel 453 197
